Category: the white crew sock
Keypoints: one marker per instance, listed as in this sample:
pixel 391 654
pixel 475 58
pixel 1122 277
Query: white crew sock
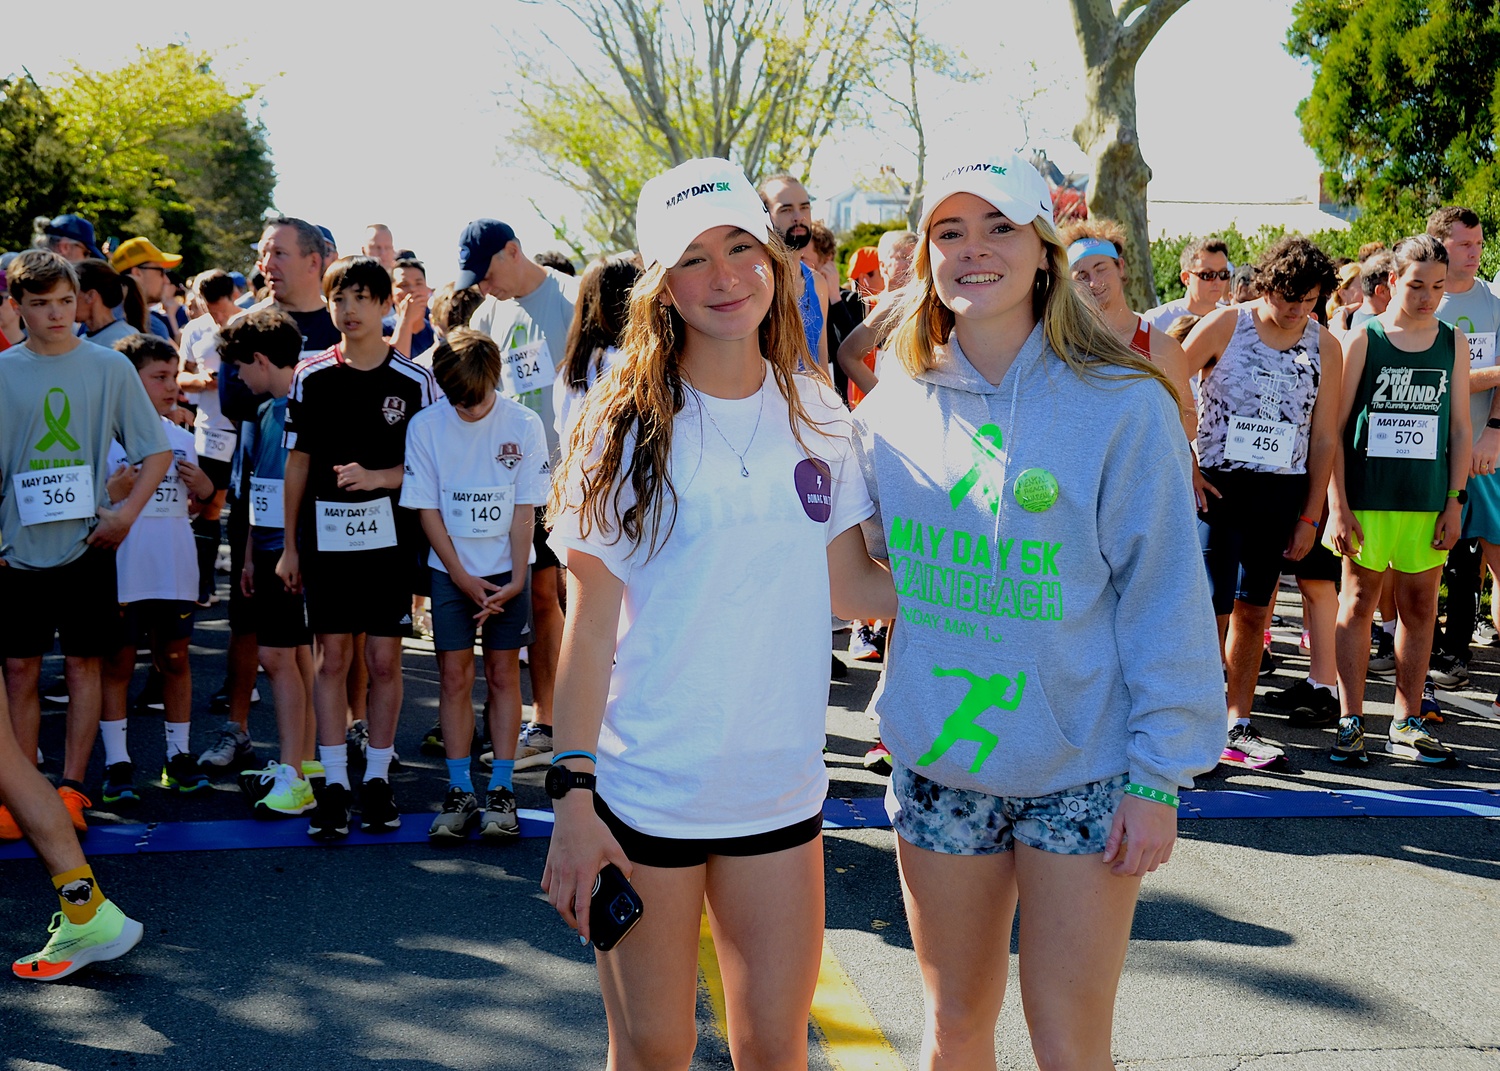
pixel 113 735
pixel 1334 688
pixel 177 737
pixel 335 762
pixel 378 763
pixel 1243 723
pixel 1388 627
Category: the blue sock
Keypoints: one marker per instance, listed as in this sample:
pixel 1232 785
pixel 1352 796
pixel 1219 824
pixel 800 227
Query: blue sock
pixel 458 774
pixel 500 774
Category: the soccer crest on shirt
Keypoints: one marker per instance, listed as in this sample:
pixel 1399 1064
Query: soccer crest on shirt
pixel 394 408
pixel 509 455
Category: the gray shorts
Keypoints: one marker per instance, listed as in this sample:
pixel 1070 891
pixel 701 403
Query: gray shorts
pixel 453 625
pixel 959 821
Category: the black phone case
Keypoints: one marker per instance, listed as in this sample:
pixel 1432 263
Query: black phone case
pixel 614 908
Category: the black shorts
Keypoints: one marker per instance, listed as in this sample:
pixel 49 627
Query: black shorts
pixel 1248 529
pixel 453 613
pixel 217 471
pixel 237 528
pixel 278 617
pixel 77 602
pixel 672 853
pixel 546 557
pixel 360 591
pixel 1319 564
pixel 153 622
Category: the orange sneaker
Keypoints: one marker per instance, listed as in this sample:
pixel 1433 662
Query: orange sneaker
pixel 8 828
pixel 75 802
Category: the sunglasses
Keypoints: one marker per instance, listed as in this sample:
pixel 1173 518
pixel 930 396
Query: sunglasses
pixel 1209 276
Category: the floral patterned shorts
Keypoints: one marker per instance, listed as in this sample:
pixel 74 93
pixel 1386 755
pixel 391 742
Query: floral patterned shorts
pixel 959 821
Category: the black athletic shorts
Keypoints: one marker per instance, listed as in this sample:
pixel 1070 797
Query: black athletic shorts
pixel 77 602
pixel 149 622
pixel 1248 529
pixel 361 591
pixel 1319 564
pixel 237 528
pixel 673 853
pixel 546 557
pixel 217 471
pixel 278 617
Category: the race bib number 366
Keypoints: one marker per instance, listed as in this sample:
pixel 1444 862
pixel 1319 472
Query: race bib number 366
pixel 346 526
pixel 1403 435
pixel 54 495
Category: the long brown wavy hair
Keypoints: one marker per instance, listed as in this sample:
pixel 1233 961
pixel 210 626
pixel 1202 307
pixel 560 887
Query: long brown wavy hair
pixel 644 392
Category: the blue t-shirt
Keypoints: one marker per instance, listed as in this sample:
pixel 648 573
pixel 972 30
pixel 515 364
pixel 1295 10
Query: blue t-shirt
pixel 267 461
pixel 812 311
pixel 422 339
pixel 159 325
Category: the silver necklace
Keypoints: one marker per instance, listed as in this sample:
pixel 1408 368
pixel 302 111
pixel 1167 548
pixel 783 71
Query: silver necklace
pixel 740 454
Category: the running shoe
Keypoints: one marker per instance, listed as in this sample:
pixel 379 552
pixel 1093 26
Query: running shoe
pixel 1446 671
pixel 1349 745
pixel 1409 740
pixel 1485 634
pixel 432 742
pixel 1246 748
pixel 108 935
pixel 1305 642
pixel 119 784
pixel 1319 708
pixel 231 747
pixel 534 746
pixel 330 816
pixel 499 822
pixel 459 815
pixel 314 773
pixel 377 807
pixel 288 795
pixel 862 645
pixel 1383 661
pixel 8 828
pixel 256 783
pixel 358 735
pixel 838 671
pixel 878 759
pixel 1267 662
pixel 1431 711
pixel 183 774
pixel 76 803
pixel 1292 696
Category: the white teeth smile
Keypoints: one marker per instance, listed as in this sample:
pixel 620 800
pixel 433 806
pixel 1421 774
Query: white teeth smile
pixel 982 277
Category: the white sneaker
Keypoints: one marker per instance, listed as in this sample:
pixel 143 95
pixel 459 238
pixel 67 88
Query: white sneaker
pixel 533 747
pixel 862 643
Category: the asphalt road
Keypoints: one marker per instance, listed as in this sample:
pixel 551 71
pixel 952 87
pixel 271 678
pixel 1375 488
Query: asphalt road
pixel 1267 944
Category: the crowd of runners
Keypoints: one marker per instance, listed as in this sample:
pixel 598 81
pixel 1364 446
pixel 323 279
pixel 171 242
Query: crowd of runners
pixel 1022 496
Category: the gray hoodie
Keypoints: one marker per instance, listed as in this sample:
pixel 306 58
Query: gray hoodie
pixel 1039 649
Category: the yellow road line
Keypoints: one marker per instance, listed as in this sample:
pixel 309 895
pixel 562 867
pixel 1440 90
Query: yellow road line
pixel 851 1036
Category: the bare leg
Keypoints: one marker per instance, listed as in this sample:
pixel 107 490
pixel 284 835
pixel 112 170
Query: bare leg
pixel 309 711
pixel 332 655
pixel 177 680
pixel 1247 631
pixel 1321 601
pixel 288 691
pixel 1416 607
pixel 546 641
pixel 502 674
pixel 23 678
pixel 115 674
pixel 383 661
pixel 240 680
pixel 35 804
pixel 84 691
pixel 456 701
pixel 358 683
pixel 1360 596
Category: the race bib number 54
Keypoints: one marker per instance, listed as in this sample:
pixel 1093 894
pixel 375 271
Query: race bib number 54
pixel 54 495
pixel 346 526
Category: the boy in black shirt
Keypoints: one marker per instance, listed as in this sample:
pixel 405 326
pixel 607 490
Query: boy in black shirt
pixel 346 437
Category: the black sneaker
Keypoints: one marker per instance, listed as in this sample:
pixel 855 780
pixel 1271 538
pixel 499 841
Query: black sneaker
pixel 839 671
pixel 330 818
pixel 498 822
pixel 1267 663
pixel 119 784
pixel 183 774
pixel 1292 697
pixel 432 742
pixel 1446 671
pixel 377 807
pixel 1319 708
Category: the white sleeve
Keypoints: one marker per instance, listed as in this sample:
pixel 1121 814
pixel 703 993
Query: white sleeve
pixel 420 488
pixel 535 480
pixel 611 547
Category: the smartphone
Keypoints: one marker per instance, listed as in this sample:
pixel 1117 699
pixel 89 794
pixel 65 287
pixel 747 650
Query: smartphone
pixel 614 908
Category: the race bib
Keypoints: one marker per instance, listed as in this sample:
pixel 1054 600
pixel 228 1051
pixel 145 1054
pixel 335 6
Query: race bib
pixel 526 368
pixel 345 526
pixel 54 495
pixel 267 507
pixel 478 512
pixel 213 442
pixel 170 499
pixel 1482 350
pixel 1403 435
pixel 1260 442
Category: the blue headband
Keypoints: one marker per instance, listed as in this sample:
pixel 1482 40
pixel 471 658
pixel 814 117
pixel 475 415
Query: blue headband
pixel 1091 247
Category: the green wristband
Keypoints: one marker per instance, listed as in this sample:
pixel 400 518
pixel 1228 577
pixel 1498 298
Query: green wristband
pixel 1155 795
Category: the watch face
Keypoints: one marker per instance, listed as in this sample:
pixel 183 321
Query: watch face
pixel 556 782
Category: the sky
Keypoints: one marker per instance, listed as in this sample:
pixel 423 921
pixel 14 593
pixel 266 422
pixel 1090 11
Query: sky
pixel 401 119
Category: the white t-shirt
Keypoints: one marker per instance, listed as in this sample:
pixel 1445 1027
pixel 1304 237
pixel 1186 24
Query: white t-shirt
pixel 568 402
pixel 693 745
pixel 158 559
pixel 200 341
pixel 476 474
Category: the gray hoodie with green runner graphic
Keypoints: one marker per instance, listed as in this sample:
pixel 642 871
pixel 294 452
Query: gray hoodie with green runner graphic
pixel 1055 624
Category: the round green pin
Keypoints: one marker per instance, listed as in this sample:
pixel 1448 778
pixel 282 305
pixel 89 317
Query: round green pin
pixel 1036 490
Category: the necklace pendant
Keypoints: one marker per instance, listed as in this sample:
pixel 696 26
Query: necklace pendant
pixel 743 470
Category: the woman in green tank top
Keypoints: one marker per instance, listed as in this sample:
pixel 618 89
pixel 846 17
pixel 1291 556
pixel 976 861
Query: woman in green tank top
pixel 1398 490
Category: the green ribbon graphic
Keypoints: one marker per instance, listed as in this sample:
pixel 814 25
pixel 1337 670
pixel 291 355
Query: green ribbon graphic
pixel 987 470
pixel 57 424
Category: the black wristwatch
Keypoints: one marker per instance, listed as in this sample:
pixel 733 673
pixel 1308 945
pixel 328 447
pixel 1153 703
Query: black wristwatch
pixel 561 780
pixel 1492 422
pixel 1461 496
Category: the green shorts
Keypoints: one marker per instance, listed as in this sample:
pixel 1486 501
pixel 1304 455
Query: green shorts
pixel 1398 540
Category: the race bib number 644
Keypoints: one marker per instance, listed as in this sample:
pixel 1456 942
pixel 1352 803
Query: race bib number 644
pixel 347 526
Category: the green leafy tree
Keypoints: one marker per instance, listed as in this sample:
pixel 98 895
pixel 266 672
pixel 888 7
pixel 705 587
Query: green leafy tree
pixel 37 170
pixel 1405 104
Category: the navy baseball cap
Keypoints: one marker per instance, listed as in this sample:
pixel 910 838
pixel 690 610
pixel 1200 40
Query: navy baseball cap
pixel 478 243
pixel 77 228
pixel 328 234
pixel 238 279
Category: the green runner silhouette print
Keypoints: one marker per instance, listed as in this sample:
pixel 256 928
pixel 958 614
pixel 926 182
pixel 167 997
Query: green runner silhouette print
pixel 962 724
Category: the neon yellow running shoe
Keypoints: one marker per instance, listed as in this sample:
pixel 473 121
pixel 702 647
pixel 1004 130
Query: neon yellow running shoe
pixel 108 935
pixel 289 794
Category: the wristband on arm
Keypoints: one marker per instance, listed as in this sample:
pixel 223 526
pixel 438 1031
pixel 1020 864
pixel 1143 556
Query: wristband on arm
pixel 1155 795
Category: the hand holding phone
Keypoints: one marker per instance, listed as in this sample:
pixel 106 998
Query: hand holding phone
pixel 614 908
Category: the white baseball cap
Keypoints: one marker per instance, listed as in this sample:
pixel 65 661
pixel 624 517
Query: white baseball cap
pixel 1009 182
pixel 698 195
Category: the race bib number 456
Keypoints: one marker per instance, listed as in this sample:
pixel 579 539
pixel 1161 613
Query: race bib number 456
pixel 54 495
pixel 346 526
pixel 1253 441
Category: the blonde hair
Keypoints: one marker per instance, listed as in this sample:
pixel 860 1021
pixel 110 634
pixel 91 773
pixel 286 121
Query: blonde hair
pixel 1072 326
pixel 644 393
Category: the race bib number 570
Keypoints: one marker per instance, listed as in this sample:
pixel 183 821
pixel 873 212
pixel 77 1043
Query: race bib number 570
pixel 346 526
pixel 1403 435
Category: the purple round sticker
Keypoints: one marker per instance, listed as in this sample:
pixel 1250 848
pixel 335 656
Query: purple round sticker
pixel 814 483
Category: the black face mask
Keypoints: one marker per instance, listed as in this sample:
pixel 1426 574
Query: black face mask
pixel 798 237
